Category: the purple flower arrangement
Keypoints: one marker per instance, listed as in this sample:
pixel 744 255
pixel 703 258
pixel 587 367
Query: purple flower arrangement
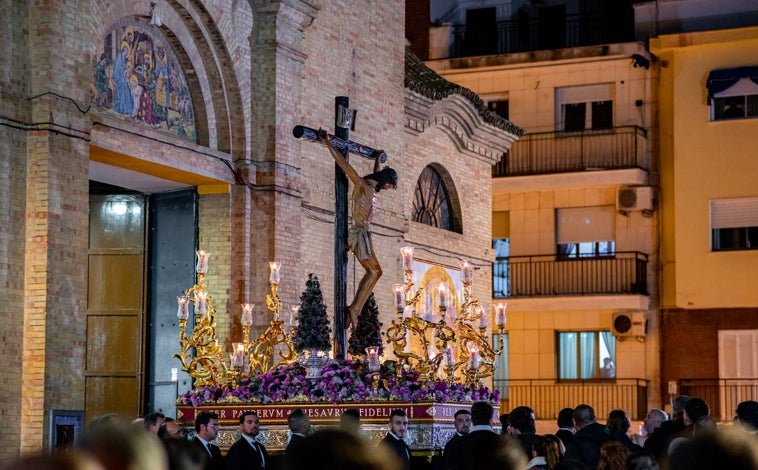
pixel 339 381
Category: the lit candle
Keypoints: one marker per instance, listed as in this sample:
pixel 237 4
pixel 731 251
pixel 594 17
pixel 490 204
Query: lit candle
pixel 274 276
pixel 238 356
pixel 201 302
pixel 442 291
pixel 293 313
pixel 500 315
pixel 183 312
pixel 399 291
pixel 466 272
pixel 407 252
pixel 247 314
pixel 474 363
pixel 483 323
pixel 202 261
pixel 449 356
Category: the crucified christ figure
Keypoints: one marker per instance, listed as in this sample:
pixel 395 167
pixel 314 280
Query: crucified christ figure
pixel 359 235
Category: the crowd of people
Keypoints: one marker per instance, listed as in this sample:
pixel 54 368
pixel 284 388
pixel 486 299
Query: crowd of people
pixel 688 439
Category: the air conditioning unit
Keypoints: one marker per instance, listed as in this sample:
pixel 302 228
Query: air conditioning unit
pixel 627 324
pixel 634 198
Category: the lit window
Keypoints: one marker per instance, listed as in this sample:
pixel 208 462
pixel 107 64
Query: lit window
pixel 586 355
pixel 585 232
pixel 734 224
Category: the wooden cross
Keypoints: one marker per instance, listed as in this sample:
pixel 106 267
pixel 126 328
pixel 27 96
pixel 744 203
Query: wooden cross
pixel 340 141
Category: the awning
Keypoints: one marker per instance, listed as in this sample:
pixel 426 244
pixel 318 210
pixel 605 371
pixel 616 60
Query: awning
pixel 723 79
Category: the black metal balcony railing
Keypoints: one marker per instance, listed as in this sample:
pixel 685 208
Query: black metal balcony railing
pixel 585 29
pixel 547 396
pixel 721 395
pixel 543 275
pixel 562 152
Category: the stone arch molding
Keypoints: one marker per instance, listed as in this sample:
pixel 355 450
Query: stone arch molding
pixel 456 117
pixel 201 52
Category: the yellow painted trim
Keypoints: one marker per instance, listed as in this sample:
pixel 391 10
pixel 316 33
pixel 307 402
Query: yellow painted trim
pixel 213 189
pixel 120 160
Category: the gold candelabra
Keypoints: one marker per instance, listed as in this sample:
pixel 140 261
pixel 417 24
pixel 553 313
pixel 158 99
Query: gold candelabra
pixel 476 355
pixel 206 365
pixel 202 358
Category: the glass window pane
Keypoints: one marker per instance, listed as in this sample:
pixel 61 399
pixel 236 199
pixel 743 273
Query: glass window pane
pixel 602 114
pixel 587 348
pixel 574 116
pixel 752 105
pixel 568 355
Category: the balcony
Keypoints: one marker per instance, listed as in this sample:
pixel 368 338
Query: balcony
pixel 544 275
pixel 547 396
pixel 618 148
pixel 532 34
pixel 721 395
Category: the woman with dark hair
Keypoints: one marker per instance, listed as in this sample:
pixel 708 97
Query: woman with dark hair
pixel 546 453
pixel 618 424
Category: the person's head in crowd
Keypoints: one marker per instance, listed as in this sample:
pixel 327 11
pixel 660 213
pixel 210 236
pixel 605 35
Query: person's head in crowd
pixel 548 448
pixel 337 449
pixel 206 425
pixel 613 456
pixel 506 426
pixel 729 448
pixel 398 423
pixel 677 407
pixel 584 415
pixel 462 421
pixel 350 421
pixel 747 415
pixel 70 460
pixel 618 422
pixel 250 425
pixel 298 422
pixel 118 446
pixel 641 461
pixel 705 424
pixel 522 420
pixel 171 430
pixel 558 442
pixel 694 409
pixel 506 455
pixel 653 420
pixel 184 455
pixel 566 418
pixel 481 413
pixel 153 421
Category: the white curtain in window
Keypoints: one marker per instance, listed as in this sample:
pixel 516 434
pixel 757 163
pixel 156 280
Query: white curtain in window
pixel 568 355
pixel 610 344
pixel 734 213
pixel 585 224
pixel 587 353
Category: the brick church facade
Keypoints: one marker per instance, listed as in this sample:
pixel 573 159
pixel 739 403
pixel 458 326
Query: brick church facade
pixel 129 138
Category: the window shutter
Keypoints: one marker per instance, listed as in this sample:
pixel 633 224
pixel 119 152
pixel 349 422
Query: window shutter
pixel 585 224
pixel 734 213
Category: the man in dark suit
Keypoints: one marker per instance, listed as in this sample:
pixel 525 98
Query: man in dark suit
pixel 565 423
pixel 300 427
pixel 462 423
pixel 247 453
pixel 394 440
pixel 206 427
pixel 478 448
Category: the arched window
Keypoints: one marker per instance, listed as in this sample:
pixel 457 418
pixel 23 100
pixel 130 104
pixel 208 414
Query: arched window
pixel 432 202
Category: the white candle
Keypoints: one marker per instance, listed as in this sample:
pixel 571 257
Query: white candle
pixel 483 323
pixel 399 291
pixel 183 312
pixel 274 276
pixel 449 356
pixel 474 363
pixel 202 262
pixel 442 290
pixel 500 316
pixel 201 302
pixel 407 252
pixel 247 314
pixel 293 313
pixel 467 274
